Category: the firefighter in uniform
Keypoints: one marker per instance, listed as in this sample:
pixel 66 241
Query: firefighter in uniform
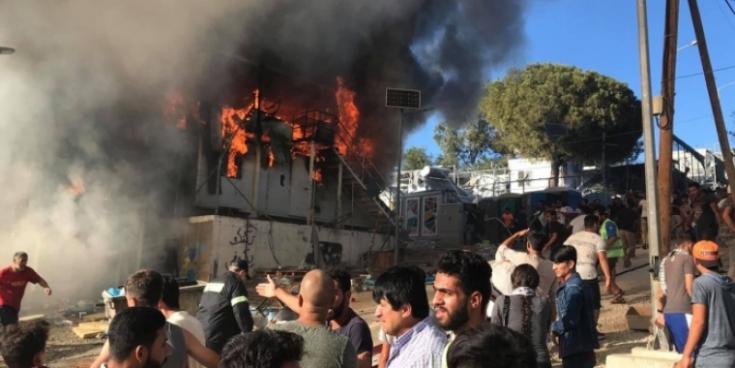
pixel 224 309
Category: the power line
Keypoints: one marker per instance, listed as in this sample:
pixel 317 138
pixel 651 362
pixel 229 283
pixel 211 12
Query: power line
pixel 730 6
pixel 700 73
pixel 727 13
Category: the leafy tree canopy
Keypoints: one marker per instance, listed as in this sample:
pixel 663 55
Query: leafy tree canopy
pixel 416 158
pixel 468 146
pixel 580 104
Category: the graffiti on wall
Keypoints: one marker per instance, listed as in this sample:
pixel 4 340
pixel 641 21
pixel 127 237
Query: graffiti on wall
pixel 245 235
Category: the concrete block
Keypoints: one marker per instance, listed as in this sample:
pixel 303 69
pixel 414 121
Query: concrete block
pixel 643 358
pixel 641 351
pixel 639 317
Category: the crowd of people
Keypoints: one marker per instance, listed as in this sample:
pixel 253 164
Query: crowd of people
pixel 541 288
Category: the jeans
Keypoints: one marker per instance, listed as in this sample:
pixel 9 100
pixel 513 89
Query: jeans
pixel 581 360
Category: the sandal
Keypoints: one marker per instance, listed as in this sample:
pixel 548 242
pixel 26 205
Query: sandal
pixel 618 299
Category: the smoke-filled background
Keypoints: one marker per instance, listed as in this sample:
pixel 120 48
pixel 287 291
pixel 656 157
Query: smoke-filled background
pixel 91 166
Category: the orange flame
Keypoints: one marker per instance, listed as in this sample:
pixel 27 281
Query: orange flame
pixel 234 133
pixel 348 116
pixel 365 147
pixel 231 129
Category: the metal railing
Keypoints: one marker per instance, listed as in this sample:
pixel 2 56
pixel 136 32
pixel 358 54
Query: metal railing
pixel 358 164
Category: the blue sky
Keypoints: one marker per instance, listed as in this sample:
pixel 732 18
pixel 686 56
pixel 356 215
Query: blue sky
pixel 601 35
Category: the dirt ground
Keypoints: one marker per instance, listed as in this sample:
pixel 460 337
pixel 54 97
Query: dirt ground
pixel 67 350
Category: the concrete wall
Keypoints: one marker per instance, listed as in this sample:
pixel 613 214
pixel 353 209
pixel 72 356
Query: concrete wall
pixel 211 241
pixel 536 173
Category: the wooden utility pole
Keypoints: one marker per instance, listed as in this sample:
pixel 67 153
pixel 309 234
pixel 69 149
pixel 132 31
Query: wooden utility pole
pixel 714 97
pixel 666 126
pixel 649 147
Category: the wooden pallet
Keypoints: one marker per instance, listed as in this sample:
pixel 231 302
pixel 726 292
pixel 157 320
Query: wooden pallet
pixel 87 330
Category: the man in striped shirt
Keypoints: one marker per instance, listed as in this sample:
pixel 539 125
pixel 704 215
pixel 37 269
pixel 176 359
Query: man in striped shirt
pixel 403 312
pixel 224 310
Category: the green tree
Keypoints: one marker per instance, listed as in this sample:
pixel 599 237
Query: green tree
pixel 416 158
pixel 450 144
pixel 467 146
pixel 580 104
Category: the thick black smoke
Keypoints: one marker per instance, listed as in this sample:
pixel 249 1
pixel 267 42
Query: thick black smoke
pixel 294 50
pixel 82 100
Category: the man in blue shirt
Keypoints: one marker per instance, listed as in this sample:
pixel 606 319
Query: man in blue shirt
pixel 575 326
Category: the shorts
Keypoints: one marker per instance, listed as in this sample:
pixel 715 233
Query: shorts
pixel 678 326
pixel 8 315
pixel 593 287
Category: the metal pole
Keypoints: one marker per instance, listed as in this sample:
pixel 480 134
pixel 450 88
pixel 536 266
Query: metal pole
pixel 666 126
pixel 397 206
pixel 604 163
pixel 649 147
pixel 714 97
pixel 218 192
pixel 312 198
pixel 338 216
pixel 312 154
pixel 258 132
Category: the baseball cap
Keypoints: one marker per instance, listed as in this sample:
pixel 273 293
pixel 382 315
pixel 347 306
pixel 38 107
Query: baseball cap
pixel 706 252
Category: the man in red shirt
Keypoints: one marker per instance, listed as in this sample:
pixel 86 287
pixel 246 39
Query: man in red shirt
pixel 13 281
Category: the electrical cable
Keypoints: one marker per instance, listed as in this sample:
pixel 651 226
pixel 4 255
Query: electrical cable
pixel 700 73
pixel 730 6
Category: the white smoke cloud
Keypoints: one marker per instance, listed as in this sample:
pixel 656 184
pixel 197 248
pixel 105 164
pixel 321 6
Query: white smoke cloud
pixel 81 102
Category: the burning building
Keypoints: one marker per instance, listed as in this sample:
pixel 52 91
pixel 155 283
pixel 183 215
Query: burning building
pixel 285 184
pixel 135 115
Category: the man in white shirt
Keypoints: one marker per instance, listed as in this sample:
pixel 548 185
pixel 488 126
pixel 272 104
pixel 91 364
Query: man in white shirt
pixel 591 249
pixel 506 259
pixel 577 223
pixel 170 308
